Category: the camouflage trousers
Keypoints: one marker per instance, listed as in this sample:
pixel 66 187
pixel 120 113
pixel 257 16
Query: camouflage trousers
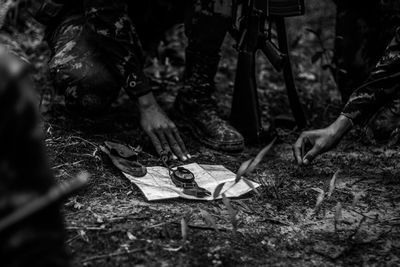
pixel 98 49
pixel 24 172
pixel 363 30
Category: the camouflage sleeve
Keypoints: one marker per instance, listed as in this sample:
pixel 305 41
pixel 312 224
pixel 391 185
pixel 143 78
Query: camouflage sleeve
pixel 381 87
pixel 110 20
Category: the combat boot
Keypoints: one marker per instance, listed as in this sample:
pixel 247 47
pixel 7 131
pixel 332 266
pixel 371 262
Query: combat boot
pixel 196 107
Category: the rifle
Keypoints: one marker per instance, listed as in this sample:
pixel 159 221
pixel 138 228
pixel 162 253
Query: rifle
pixel 250 31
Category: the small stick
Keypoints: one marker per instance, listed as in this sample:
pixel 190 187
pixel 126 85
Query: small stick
pixel 54 195
pixel 85 228
pixel 202 227
pixel 66 164
pixel 105 256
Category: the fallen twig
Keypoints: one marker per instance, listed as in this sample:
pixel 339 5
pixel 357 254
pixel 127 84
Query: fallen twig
pixel 66 164
pixel 163 223
pixel 274 221
pixel 363 219
pixel 85 228
pixel 202 227
pixel 105 256
pixel 84 140
pixel 55 194
pixel 72 239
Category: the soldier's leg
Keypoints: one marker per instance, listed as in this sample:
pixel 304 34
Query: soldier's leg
pixel 206 25
pixel 24 173
pixel 79 68
pixel 157 15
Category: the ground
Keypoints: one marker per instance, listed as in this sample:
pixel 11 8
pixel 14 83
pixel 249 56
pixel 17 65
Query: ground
pixel 110 223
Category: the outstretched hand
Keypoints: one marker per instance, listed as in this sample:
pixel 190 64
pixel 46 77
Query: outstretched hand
pixel 162 131
pixel 310 144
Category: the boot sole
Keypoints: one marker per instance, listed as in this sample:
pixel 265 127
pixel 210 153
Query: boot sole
pixel 226 147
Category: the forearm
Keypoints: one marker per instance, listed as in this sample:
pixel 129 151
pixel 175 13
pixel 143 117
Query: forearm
pixel 146 102
pixel 367 100
pixel 379 89
pixel 341 126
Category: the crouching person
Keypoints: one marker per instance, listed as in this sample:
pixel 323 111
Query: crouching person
pixel 97 50
pixel 24 173
pixel 381 89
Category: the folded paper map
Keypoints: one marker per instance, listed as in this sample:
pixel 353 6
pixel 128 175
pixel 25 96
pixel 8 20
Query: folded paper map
pixel 157 184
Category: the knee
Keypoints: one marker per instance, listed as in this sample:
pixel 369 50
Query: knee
pixel 89 86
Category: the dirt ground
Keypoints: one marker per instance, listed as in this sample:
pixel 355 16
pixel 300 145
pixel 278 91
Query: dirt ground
pixel 111 224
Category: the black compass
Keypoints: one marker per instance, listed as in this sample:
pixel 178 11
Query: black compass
pixel 185 179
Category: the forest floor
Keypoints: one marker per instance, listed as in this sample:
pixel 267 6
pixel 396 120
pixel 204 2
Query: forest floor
pixel 110 223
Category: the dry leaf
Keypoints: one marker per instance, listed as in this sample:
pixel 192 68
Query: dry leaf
pixel 356 198
pixel 5 6
pixel 260 156
pixel 209 219
pixel 83 235
pixel 249 165
pixel 332 184
pixel 173 249
pixel 338 214
pixel 242 170
pixel 231 211
pixel 131 236
pixel 320 199
pixel 251 185
pixel 184 230
pixel 218 190
pixel 318 190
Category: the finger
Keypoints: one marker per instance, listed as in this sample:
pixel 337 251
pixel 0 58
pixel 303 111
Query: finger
pixel 297 150
pixel 156 142
pixel 164 142
pixel 174 145
pixel 180 142
pixel 312 154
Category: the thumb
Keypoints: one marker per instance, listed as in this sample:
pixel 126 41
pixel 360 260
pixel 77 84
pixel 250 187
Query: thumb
pixel 310 156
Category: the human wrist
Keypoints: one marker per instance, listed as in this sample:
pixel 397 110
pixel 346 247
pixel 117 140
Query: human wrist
pixel 146 101
pixel 341 126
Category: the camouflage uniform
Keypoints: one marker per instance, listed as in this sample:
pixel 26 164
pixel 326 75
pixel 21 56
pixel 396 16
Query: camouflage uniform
pixel 363 30
pixel 96 51
pixel 24 173
pixel 96 47
pixel 381 88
